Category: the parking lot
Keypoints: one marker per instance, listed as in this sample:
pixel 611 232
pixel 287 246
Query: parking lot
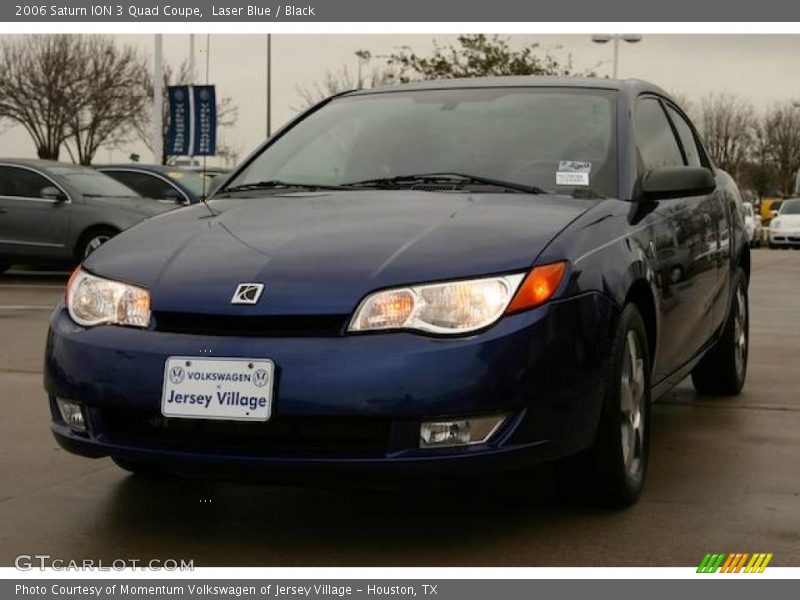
pixel 724 476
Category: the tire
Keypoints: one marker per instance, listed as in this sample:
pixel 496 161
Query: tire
pixel 723 370
pixel 93 239
pixel 139 467
pixel 4 267
pixel 612 471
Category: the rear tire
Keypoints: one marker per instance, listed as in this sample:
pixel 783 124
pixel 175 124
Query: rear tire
pixel 140 468
pixel 723 370
pixel 612 471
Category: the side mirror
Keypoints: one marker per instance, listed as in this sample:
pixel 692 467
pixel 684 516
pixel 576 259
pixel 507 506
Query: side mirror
pixel 51 192
pixel 676 182
pixel 773 213
pixel 173 195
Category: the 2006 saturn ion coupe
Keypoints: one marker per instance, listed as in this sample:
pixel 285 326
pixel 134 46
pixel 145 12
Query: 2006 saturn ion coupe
pixel 435 278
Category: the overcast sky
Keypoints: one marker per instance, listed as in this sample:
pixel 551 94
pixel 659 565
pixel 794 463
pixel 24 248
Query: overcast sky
pixel 761 68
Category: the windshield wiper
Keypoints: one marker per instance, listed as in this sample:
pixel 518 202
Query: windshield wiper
pixel 447 178
pixel 277 183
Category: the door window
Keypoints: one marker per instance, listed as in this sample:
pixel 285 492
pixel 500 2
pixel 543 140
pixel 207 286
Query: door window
pixel 24 183
pixel 655 141
pixel 688 141
pixel 145 185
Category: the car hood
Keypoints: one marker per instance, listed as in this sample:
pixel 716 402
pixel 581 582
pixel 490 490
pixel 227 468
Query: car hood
pixel 788 220
pixel 322 253
pixel 147 207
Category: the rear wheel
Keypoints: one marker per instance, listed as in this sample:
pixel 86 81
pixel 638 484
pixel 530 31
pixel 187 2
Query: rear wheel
pixel 141 468
pixel 612 471
pixel 723 369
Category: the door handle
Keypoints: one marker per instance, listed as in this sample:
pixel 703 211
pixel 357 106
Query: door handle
pixel 3 210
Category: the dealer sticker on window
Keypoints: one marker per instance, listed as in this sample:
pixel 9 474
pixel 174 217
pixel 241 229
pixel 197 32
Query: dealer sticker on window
pixel 573 172
pixel 236 389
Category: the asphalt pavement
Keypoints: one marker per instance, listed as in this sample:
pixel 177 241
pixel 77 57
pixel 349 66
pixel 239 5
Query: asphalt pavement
pixel 724 477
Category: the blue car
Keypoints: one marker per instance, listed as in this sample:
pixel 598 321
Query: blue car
pixel 443 279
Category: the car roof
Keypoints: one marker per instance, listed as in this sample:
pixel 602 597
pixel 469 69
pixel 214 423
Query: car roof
pixel 140 166
pixel 631 86
pixel 39 163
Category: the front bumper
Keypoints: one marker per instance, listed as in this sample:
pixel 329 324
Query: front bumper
pixel 349 402
pixel 784 237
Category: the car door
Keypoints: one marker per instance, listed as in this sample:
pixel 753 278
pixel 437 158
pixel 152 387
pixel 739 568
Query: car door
pixel 149 185
pixel 32 226
pixel 718 205
pixel 683 245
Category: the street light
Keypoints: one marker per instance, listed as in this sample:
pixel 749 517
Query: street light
pixel 631 38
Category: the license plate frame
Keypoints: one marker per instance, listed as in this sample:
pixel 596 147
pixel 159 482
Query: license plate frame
pixel 218 388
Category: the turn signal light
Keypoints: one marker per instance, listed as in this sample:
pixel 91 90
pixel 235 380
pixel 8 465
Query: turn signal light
pixel 538 287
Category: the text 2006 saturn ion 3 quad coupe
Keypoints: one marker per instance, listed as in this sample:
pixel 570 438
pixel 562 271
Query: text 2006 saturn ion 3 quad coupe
pixel 435 277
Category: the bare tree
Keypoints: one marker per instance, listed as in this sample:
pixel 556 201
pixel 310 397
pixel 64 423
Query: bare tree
pixel 344 79
pixel 781 136
pixel 479 55
pixel 727 124
pixel 113 97
pixel 40 87
pixel 227 111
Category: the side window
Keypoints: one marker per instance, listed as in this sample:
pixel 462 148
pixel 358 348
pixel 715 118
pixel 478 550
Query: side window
pixel 21 182
pixel 654 138
pixel 144 184
pixel 686 135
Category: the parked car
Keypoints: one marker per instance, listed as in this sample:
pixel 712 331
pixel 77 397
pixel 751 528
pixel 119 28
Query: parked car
pixel 784 229
pixel 448 277
pixel 57 213
pixel 752 224
pixel 165 183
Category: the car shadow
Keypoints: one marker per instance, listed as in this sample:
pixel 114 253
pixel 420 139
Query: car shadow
pixel 236 524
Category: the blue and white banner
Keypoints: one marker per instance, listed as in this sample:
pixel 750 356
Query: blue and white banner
pixel 179 132
pixel 205 120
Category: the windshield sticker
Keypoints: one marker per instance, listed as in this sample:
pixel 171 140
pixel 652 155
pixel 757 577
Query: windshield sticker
pixel 573 172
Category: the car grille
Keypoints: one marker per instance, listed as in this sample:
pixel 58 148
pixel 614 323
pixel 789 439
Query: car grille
pixel 279 435
pixel 251 326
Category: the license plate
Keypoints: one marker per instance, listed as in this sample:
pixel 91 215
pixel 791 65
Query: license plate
pixel 234 389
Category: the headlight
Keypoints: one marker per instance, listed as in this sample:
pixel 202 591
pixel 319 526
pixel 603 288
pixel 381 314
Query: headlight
pixel 457 307
pixel 775 224
pixel 93 300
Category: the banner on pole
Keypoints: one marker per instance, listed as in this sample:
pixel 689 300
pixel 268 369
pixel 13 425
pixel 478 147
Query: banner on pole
pixel 205 120
pixel 179 132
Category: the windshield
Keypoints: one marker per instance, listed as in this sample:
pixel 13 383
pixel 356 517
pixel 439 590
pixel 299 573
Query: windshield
pixel 558 139
pixel 790 207
pixel 89 182
pixel 191 180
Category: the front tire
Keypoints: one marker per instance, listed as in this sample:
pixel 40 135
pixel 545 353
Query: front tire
pixel 612 471
pixel 92 240
pixel 723 370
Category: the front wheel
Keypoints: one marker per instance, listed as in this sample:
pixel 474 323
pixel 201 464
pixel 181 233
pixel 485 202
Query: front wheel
pixel 612 470
pixel 723 369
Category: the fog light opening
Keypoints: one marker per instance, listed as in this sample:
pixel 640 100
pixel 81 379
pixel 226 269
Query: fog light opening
pixel 72 413
pixel 459 432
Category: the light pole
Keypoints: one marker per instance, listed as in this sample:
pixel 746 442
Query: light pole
pixel 631 38
pixel 269 85
pixel 158 90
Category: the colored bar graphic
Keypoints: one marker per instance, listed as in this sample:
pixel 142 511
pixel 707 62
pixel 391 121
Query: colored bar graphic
pixel 735 562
